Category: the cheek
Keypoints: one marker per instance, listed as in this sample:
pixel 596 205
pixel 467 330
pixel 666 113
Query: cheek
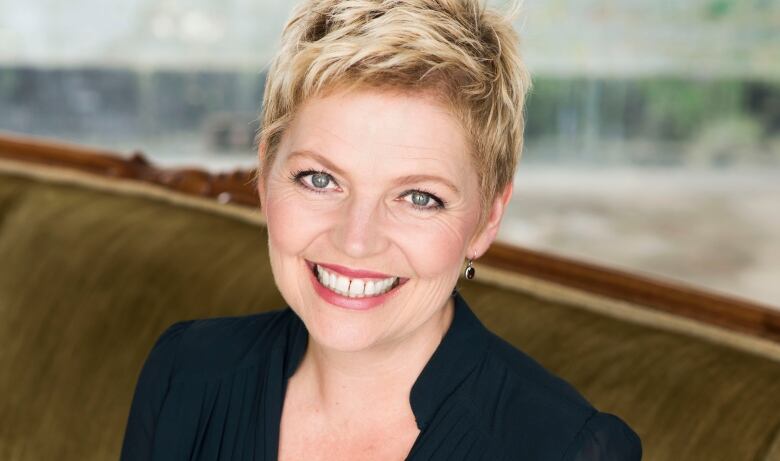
pixel 436 248
pixel 291 230
pixel 292 225
pixel 283 233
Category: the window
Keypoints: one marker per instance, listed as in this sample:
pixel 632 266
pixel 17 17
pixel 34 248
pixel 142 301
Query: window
pixel 652 142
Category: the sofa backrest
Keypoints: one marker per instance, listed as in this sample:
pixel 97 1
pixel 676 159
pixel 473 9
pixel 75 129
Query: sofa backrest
pixel 93 270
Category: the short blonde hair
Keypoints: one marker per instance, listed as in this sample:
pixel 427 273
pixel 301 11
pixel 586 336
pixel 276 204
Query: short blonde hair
pixel 463 51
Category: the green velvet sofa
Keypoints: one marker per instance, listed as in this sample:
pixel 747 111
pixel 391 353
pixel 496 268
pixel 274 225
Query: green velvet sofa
pixel 93 268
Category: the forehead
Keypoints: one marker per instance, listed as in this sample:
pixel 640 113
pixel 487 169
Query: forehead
pixel 365 128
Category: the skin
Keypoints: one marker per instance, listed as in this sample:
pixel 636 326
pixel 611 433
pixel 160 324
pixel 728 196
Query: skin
pixel 349 398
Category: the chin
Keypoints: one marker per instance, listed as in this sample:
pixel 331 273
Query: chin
pixel 340 331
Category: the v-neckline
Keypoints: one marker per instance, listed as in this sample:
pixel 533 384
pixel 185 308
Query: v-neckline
pixel 459 351
pixel 409 456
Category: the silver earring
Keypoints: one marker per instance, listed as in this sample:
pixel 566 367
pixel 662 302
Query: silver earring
pixel 470 271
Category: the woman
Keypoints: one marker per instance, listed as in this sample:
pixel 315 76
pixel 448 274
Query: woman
pixel 391 131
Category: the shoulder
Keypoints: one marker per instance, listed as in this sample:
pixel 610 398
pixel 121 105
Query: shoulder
pixel 210 347
pixel 528 379
pixel 197 350
pixel 604 437
pixel 533 412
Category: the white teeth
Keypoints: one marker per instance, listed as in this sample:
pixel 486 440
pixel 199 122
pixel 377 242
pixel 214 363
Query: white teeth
pixel 370 288
pixel 354 288
pixel 322 275
pixel 325 277
pixel 342 284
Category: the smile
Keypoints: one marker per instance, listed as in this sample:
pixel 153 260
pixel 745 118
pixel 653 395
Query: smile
pixel 353 287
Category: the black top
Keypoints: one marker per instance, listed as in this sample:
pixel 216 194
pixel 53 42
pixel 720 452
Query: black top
pixel 213 390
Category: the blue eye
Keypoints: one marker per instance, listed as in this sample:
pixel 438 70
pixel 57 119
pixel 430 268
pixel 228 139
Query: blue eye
pixel 316 181
pixel 423 200
pixel 420 199
pixel 320 180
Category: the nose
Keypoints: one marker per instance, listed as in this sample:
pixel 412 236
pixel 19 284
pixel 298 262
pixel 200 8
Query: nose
pixel 359 232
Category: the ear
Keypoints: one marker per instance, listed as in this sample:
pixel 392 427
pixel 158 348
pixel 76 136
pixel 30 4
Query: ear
pixel 488 231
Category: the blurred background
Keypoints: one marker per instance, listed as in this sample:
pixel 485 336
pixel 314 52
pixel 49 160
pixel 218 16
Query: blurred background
pixel 652 142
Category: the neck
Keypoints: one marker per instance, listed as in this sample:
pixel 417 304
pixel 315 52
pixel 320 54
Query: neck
pixel 369 384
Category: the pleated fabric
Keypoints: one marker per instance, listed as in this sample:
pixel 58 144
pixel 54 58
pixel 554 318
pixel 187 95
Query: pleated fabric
pixel 213 389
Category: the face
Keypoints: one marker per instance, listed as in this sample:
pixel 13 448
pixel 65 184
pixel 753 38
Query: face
pixel 372 204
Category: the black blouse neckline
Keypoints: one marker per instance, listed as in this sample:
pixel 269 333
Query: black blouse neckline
pixel 461 349
pixel 214 389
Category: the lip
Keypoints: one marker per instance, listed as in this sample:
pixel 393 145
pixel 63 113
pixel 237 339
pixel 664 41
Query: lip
pixel 357 304
pixel 351 273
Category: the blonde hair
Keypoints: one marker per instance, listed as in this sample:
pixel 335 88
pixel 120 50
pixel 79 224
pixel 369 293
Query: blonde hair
pixel 464 52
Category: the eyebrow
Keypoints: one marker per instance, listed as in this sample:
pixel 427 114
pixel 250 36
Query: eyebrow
pixel 411 179
pixel 415 178
pixel 319 157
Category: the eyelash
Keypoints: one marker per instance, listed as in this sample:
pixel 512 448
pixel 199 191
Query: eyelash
pixel 297 175
pixel 440 204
